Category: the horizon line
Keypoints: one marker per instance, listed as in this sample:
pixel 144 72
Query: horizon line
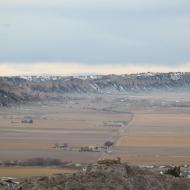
pixel 69 69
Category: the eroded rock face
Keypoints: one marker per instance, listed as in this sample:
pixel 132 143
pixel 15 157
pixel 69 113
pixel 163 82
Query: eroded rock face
pixel 19 89
pixel 108 177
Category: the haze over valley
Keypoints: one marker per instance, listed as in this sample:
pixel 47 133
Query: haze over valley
pixel 146 116
pixel 94 95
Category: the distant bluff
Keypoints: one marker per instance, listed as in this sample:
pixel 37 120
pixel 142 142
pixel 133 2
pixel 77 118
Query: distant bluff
pixel 28 88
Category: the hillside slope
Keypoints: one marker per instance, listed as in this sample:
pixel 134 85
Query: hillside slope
pixel 14 90
pixel 27 88
pixel 108 177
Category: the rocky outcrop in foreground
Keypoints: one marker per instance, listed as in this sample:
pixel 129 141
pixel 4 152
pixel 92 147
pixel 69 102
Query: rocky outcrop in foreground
pixel 108 176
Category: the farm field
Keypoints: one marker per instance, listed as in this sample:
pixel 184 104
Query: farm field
pixel 76 124
pixel 157 137
pixel 145 129
pixel 32 171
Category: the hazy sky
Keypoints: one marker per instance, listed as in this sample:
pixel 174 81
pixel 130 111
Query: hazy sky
pixel 92 34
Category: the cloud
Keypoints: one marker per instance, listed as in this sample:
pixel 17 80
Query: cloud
pixel 13 69
pixel 129 3
pixel 95 31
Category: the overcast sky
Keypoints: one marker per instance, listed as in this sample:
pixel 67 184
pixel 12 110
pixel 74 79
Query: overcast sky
pixel 94 34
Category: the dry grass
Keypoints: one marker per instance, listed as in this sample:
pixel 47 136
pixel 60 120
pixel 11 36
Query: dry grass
pixel 157 132
pixel 156 140
pixel 156 160
pixel 162 119
pixel 32 171
pixel 151 159
pixel 77 125
pixel 54 123
pixel 57 116
pixel 24 146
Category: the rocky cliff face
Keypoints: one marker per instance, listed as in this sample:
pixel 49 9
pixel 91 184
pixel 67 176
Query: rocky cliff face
pixel 110 83
pixel 15 90
pixel 108 177
pixel 18 89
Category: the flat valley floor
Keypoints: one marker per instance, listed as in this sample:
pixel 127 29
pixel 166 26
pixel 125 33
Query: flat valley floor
pixel 145 128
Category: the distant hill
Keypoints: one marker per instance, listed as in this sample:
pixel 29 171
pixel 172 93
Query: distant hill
pixel 29 88
pixel 14 90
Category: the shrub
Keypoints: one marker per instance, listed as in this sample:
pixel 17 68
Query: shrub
pixel 174 171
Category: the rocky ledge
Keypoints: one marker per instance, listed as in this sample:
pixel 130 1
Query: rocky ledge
pixel 108 175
